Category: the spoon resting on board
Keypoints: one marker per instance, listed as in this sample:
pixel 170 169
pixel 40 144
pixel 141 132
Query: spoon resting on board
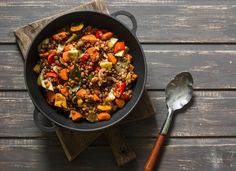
pixel 178 93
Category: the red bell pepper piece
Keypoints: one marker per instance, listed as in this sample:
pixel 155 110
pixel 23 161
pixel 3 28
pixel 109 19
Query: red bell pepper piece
pixel 84 57
pixel 119 46
pixel 51 57
pixel 98 34
pixel 121 87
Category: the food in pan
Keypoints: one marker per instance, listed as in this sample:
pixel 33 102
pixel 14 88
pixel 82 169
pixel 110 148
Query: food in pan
pixel 86 71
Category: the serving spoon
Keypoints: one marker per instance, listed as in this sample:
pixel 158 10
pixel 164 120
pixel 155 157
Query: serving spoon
pixel 178 93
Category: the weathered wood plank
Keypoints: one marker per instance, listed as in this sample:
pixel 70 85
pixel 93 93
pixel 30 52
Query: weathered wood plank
pixel 212 113
pixel 158 21
pixel 180 154
pixel 212 66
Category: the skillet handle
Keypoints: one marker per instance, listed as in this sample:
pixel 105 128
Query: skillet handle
pixel 130 16
pixel 43 125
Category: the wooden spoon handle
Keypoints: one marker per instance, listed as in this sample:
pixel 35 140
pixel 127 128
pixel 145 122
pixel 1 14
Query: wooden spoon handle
pixel 154 153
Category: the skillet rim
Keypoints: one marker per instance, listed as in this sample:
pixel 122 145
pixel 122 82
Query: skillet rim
pixel 129 109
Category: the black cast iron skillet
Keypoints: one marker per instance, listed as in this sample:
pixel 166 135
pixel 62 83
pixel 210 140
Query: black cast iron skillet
pixel 102 21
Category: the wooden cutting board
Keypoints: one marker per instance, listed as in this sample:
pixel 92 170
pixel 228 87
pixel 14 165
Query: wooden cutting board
pixel 74 143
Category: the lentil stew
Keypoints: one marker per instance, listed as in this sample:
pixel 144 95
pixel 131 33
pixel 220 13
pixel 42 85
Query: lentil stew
pixel 85 71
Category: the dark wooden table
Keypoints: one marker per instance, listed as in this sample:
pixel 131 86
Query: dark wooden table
pixel 198 36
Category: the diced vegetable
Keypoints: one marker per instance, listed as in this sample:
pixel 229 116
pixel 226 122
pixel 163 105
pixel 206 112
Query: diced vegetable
pixel 89 38
pixel 92 118
pixel 121 87
pixel 64 91
pixel 128 77
pixel 79 102
pixel 51 74
pixel 119 46
pixel 120 53
pixel 51 57
pixel 60 101
pixel 47 85
pixel 131 67
pixel 110 96
pixel 80 43
pixel 69 47
pixel 72 38
pixel 103 116
pixel 65 56
pixel 74 115
pixel 104 107
pixel 111 58
pixel 112 42
pixel 84 57
pixel 81 93
pixel 45 54
pixel 45 42
pixel 122 64
pixel 134 76
pixel 63 74
pixel 94 55
pixel 60 47
pixel 106 65
pixel 76 27
pixel 129 57
pixel 120 103
pixel 74 54
pixel 37 68
pixel 75 72
pixel 60 36
pixel 107 36
pixel 98 34
pixel 94 97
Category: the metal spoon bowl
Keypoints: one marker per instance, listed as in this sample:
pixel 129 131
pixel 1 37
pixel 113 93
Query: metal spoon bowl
pixel 178 93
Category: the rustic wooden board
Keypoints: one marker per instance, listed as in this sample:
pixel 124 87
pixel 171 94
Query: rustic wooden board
pixel 212 66
pixel 119 146
pixel 158 21
pixel 212 113
pixel 180 155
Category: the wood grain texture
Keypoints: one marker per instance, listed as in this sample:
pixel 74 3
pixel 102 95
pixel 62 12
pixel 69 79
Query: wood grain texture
pixel 180 154
pixel 73 143
pixel 212 66
pixel 25 34
pixel 119 146
pixel 211 113
pixel 158 21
